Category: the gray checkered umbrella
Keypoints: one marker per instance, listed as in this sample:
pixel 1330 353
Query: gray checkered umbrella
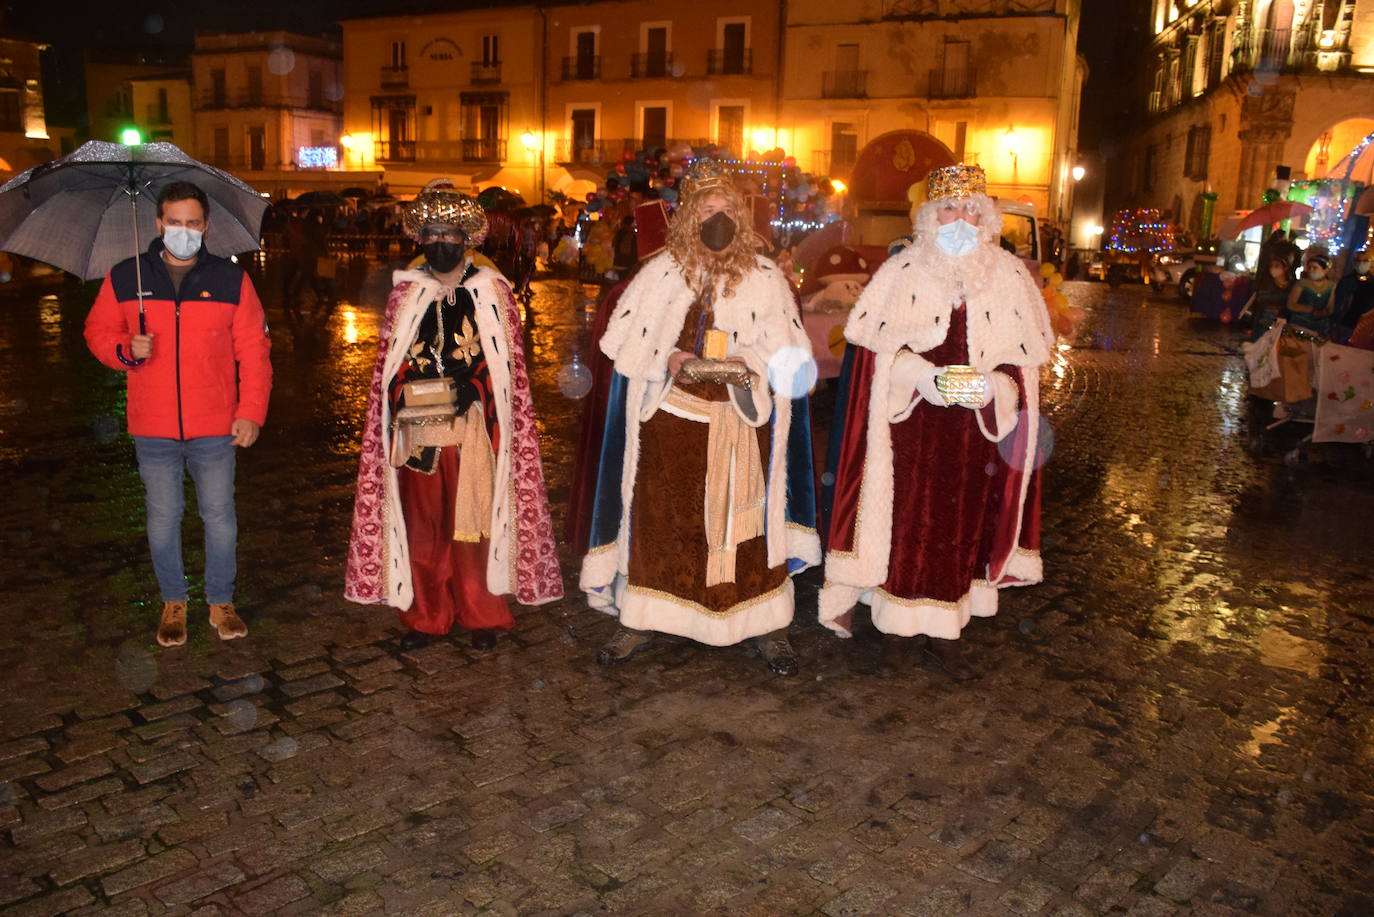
pixel 88 210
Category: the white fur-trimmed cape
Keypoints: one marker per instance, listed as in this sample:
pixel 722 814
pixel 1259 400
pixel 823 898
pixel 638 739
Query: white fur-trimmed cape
pixel 762 319
pixel 909 299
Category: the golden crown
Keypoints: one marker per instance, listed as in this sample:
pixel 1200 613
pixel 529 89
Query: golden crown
pixel 956 182
pixel 440 202
pixel 705 175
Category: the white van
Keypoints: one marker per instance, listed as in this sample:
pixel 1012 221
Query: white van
pixel 875 230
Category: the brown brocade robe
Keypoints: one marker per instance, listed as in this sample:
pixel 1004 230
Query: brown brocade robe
pixel 668 548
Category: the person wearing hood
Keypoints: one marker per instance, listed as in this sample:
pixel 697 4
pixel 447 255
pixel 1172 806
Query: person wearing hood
pixel 450 514
pixel 936 493
pixel 199 373
pixel 704 503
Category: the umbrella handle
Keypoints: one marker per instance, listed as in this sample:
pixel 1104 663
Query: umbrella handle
pixel 138 278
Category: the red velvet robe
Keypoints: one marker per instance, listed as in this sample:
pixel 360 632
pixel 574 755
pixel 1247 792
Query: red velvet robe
pixel 961 525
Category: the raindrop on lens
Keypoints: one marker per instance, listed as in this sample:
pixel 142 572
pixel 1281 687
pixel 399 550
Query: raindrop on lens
pixel 281 61
pixel 791 372
pixel 575 380
pixel 153 24
pixel 537 684
pixel 5 277
pixel 54 525
pixel 1044 446
pixel 828 479
pixel 6 794
pixel 333 92
pixel 105 428
pixel 136 669
pixel 281 749
pixel 241 714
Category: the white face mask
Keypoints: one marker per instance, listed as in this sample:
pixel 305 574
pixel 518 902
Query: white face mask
pixel 183 243
pixel 957 239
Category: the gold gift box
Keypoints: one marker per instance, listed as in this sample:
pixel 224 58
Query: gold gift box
pixel 429 391
pixel 962 385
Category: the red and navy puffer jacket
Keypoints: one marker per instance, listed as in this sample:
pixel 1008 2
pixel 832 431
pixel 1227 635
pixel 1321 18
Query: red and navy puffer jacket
pixel 211 353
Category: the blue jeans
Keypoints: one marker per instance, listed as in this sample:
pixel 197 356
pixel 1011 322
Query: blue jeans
pixel 162 464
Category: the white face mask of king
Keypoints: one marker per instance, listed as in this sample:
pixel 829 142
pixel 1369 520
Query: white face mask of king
pixel 183 243
pixel 957 239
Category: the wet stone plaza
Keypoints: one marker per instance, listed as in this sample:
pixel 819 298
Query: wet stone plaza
pixel 1177 722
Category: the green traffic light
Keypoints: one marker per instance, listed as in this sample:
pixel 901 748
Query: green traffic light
pixel 130 136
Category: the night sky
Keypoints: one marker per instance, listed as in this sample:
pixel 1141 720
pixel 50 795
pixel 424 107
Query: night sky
pixel 1112 31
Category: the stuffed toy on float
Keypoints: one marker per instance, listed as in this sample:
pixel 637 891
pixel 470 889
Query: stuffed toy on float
pixel 836 281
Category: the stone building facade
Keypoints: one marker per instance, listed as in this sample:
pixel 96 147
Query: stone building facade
pixel 1238 88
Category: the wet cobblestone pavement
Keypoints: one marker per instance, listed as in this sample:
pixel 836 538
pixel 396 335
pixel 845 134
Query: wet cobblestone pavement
pixel 1177 722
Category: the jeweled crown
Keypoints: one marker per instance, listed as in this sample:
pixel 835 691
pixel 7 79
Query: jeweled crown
pixel 956 182
pixel 705 175
pixel 440 202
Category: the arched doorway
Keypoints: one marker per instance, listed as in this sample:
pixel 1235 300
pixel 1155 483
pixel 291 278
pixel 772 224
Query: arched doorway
pixel 1336 142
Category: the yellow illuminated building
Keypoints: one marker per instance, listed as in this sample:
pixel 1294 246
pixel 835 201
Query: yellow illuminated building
pixel 24 138
pixel 446 94
pixel 998 86
pixel 266 107
pixel 1238 88
pixel 628 75
pixel 551 97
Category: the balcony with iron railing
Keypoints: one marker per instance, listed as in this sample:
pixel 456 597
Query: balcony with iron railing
pixel 844 84
pixel 834 163
pixel 394 150
pixel 720 62
pixel 589 152
pixel 486 74
pixel 484 149
pixel 211 99
pixel 582 67
pixel 1303 49
pixel 395 77
pixel 953 83
pixel 598 152
pixel 651 64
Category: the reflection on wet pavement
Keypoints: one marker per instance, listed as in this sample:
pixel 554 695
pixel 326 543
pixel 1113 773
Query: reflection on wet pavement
pixel 1178 721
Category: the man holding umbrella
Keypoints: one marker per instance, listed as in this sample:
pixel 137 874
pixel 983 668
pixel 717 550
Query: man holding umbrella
pixel 188 329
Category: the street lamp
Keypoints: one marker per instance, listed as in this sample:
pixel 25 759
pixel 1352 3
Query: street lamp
pixel 531 142
pixel 1078 172
pixel 1013 143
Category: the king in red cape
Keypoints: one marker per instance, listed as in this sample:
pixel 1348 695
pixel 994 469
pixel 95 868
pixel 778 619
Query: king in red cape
pixel 937 494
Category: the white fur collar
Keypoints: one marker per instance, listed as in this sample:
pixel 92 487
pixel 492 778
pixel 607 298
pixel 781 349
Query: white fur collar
pixel 761 316
pixel 908 303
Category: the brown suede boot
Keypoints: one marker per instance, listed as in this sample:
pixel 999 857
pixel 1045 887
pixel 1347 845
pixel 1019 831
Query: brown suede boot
pixel 171 630
pixel 624 643
pixel 226 621
pixel 949 656
pixel 896 656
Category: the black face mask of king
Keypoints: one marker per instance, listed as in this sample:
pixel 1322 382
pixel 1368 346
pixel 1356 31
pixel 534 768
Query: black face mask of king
pixel 442 256
pixel 717 232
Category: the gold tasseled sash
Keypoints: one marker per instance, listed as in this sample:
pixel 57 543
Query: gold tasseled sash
pixel 734 482
pixel 473 496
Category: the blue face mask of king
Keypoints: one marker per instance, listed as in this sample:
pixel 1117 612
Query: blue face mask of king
pixel 183 243
pixel 957 239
